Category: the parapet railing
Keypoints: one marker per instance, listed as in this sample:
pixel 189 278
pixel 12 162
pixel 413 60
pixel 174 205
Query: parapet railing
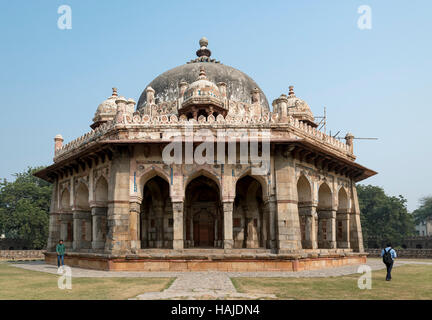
pixel 146 121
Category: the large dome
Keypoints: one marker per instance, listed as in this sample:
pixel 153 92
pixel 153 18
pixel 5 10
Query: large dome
pixel 239 85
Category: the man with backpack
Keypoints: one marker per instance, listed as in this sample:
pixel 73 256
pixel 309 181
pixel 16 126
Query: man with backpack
pixel 388 254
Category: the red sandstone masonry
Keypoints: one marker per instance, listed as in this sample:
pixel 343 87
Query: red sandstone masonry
pixel 182 265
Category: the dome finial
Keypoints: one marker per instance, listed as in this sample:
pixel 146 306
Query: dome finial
pixel 203 42
pixel 114 93
pixel 203 51
pixel 291 91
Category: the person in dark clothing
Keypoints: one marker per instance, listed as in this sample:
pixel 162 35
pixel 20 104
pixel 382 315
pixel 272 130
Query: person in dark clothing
pixel 388 254
pixel 60 249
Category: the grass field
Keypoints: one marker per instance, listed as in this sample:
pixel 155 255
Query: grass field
pixel 20 284
pixel 409 282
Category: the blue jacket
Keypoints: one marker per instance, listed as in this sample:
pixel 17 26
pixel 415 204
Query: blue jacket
pixel 392 252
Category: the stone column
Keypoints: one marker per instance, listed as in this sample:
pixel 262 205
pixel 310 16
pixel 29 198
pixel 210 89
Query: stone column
pixel 99 227
pixel 263 229
pixel 228 224
pixel 327 218
pixel 191 231
pixel 144 232
pixel 215 232
pixel 310 215
pixel 270 212
pixel 159 224
pixel 82 230
pixel 134 225
pixel 118 238
pixel 66 228
pixel 178 241
pixel 343 217
pixel 54 221
pixel 356 237
pixel 288 223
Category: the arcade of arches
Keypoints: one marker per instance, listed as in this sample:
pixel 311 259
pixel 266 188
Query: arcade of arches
pixel 323 224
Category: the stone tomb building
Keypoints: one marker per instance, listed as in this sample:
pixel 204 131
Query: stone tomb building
pixel 118 204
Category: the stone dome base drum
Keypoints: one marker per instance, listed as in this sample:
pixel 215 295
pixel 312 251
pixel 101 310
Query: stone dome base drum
pixel 203 175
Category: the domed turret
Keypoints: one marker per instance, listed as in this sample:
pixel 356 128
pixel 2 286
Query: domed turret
pixel 299 109
pixel 106 111
pixel 202 97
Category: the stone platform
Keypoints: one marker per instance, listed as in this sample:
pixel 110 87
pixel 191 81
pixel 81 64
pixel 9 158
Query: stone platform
pixel 247 260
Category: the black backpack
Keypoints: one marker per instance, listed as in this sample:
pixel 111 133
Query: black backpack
pixel 387 258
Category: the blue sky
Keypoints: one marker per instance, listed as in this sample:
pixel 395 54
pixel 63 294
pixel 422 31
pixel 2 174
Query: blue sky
pixel 374 83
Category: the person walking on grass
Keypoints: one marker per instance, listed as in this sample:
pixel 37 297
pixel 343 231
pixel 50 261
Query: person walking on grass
pixel 60 249
pixel 388 254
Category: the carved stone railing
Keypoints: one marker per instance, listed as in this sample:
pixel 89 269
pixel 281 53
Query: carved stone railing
pixel 84 139
pixel 146 121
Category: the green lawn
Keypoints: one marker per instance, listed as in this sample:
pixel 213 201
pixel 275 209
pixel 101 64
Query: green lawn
pixel 20 284
pixel 409 282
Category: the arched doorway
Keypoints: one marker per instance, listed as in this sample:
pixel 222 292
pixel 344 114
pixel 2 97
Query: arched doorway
pixel 326 221
pixel 249 227
pixel 99 214
pixel 203 229
pixel 156 218
pixel 204 215
pixel 82 226
pixel 307 213
pixel 343 220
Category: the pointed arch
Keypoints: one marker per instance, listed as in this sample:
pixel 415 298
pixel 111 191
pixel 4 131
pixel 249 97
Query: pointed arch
pixel 82 197
pixel 203 171
pixel 149 174
pixel 263 181
pixel 343 202
pixel 304 190
pixel 101 190
pixel 249 222
pixel 325 196
pixel 65 199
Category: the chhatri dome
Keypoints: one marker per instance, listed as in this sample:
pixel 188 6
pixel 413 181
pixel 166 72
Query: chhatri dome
pixel 238 85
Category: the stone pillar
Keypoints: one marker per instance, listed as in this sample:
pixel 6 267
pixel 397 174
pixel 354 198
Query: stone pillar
pixel 117 240
pixel 228 224
pixel 99 227
pixel 327 228
pixel 144 232
pixel 134 225
pixel 54 220
pixel 356 237
pixel 343 239
pixel 270 212
pixel 159 224
pixel 288 223
pixel 82 230
pixel 216 233
pixel 178 241
pixel 310 216
pixel 66 229
pixel 191 231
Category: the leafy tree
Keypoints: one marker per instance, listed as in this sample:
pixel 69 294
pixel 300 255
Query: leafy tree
pixel 424 212
pixel 383 218
pixel 24 208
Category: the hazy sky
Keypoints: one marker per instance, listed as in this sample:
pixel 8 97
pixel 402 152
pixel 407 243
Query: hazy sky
pixel 374 83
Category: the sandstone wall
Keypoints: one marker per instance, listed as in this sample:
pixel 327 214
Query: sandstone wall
pixel 404 253
pixel 21 254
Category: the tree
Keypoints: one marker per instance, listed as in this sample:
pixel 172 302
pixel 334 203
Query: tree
pixel 24 208
pixel 424 212
pixel 384 218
